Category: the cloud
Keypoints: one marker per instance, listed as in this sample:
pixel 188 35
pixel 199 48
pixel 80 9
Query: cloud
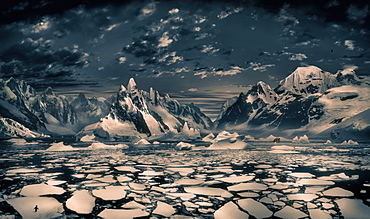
pixel 192 89
pixel 229 11
pixel 255 66
pixel 350 44
pixel 148 10
pixel 36 59
pixel 356 13
pixel 298 57
pixel 165 40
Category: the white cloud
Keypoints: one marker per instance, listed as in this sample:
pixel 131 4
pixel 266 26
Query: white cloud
pixel 111 27
pixel 100 68
pixel 233 71
pixel 148 10
pixel 165 40
pixel 203 74
pixel 122 60
pixel 174 11
pixel 193 89
pixel 228 12
pixel 255 66
pixel 350 44
pixel 298 57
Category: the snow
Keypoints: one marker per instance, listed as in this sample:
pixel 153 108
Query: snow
pixel 61 147
pixel 164 209
pixel 353 208
pixel 349 142
pixel 230 210
pixel 87 138
pixel 98 145
pixel 338 192
pixel 81 202
pixel 302 196
pixel 208 191
pixel 142 142
pixel 41 189
pixel 255 208
pixel 314 182
pixel 184 146
pixel 301 140
pixel 290 213
pixel 133 205
pixel 236 179
pixel 47 207
pixel 252 186
pixel 110 193
pixel 122 214
pixel 188 182
pixel 319 214
pixel 209 138
pixel 272 138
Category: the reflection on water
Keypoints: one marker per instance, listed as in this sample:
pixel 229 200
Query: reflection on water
pixel 265 180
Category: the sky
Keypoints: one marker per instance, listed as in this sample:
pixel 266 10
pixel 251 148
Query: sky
pixel 196 51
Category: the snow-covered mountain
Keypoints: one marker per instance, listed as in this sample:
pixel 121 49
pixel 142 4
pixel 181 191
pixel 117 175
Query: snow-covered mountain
pixel 239 110
pixel 136 113
pixel 23 109
pixel 308 101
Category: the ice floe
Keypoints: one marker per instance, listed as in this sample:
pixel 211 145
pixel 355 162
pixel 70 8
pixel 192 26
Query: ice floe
pixel 208 191
pixel 252 186
pixel 122 214
pixel 37 207
pixel 41 189
pixel 353 208
pixel 338 192
pixel 290 213
pixel 110 193
pixel 230 210
pixel 254 208
pixel 184 146
pixel 163 209
pixel 81 202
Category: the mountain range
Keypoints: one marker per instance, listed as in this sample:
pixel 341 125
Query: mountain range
pixel 308 101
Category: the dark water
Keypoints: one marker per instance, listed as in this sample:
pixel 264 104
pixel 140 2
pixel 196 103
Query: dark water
pixel 167 174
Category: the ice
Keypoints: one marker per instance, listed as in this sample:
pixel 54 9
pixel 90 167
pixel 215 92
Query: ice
pixel 253 186
pixel 314 182
pixel 87 138
pixel 81 202
pixel 184 146
pixel 46 207
pixel 290 213
pixel 208 191
pixel 164 209
pixel 136 186
pixel 319 214
pixel 353 208
pixel 301 140
pixel 142 142
pixel 98 145
pixel 110 193
pixel 182 171
pixel 23 170
pixel 302 196
pixel 230 210
pixel 127 169
pixel 189 182
pixel 236 179
pixel 122 214
pixel 350 142
pixel 183 196
pixel 338 192
pixel 133 205
pixel 53 182
pixel 301 175
pixel 254 208
pixel 41 189
pixel 248 194
pixel 61 147
pixel 282 147
pixel 209 138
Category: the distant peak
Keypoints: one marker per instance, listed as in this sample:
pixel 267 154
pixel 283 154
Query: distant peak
pixel 122 88
pixel 307 69
pixel 48 91
pixel 131 85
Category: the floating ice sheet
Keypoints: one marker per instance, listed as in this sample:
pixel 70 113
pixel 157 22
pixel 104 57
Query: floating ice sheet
pixel 208 191
pixel 290 213
pixel 236 179
pixel 81 202
pixel 314 182
pixel 319 214
pixel 41 189
pixel 110 193
pixel 353 208
pixel 164 209
pixel 230 210
pixel 338 192
pixel 122 214
pixel 254 208
pixel 46 207
pixel 253 186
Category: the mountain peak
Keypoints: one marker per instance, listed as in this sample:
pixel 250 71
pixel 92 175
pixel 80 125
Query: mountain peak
pixel 131 85
pixel 49 91
pixel 307 80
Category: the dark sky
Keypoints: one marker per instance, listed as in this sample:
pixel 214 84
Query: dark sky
pixel 197 51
